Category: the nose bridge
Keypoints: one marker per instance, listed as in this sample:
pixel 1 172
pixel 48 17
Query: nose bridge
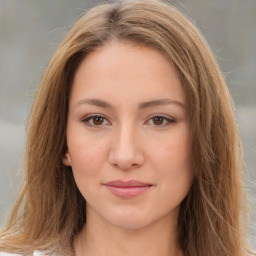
pixel 126 152
pixel 126 137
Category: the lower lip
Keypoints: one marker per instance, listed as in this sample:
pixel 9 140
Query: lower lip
pixel 127 192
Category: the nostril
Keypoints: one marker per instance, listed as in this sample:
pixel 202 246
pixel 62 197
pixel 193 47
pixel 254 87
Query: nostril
pixel 126 163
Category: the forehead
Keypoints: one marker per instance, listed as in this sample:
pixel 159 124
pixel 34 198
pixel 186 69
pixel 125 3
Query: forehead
pixel 126 71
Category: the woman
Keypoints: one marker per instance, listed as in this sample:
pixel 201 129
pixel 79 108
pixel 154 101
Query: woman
pixel 131 142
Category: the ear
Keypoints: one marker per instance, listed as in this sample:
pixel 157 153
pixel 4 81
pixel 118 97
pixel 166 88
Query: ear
pixel 66 160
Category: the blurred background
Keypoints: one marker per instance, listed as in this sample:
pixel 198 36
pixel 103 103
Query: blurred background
pixel 30 31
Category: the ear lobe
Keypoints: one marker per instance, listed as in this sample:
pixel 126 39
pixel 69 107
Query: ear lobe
pixel 66 160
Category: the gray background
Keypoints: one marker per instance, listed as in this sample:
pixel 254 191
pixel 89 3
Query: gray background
pixel 30 31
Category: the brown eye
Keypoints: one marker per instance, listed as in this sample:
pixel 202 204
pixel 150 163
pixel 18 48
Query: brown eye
pixel 158 120
pixel 98 120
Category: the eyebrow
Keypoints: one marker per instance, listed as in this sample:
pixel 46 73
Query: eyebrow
pixel 143 105
pixel 95 102
pixel 160 102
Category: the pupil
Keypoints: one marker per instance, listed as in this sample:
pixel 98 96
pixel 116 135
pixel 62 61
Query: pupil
pixel 158 120
pixel 98 120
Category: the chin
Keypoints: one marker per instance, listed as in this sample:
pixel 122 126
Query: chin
pixel 130 220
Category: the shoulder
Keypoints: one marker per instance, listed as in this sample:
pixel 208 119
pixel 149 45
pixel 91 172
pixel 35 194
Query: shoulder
pixel 36 253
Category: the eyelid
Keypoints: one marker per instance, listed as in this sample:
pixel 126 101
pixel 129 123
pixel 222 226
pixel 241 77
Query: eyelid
pixel 169 119
pixel 89 117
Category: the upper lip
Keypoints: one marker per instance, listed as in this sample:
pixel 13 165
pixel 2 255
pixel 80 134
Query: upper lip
pixel 129 183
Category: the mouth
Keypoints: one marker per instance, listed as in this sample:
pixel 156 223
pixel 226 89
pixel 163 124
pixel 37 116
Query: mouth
pixel 127 189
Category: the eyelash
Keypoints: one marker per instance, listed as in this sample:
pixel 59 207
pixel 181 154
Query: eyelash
pixel 90 118
pixel 166 119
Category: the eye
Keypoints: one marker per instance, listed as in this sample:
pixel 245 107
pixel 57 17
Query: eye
pixel 95 120
pixel 160 120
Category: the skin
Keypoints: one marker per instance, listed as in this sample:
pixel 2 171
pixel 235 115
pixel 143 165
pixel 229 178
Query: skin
pixel 129 141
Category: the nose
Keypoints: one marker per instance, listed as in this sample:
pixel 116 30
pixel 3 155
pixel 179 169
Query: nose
pixel 126 152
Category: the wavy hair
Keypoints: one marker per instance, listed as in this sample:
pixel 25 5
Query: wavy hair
pixel 50 210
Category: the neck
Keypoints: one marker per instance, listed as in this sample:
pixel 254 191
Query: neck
pixel 159 238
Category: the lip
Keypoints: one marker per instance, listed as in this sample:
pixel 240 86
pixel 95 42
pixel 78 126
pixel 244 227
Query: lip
pixel 127 189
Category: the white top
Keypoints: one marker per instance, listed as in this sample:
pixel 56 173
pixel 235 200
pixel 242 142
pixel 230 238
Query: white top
pixel 36 253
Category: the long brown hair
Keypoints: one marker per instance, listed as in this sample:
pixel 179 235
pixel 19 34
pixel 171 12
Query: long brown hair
pixel 50 211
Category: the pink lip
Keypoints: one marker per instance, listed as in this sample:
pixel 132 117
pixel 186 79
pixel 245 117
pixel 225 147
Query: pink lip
pixel 127 189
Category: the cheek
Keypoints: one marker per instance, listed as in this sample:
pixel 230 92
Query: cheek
pixel 87 161
pixel 175 174
pixel 172 160
pixel 175 149
pixel 87 154
pixel 178 151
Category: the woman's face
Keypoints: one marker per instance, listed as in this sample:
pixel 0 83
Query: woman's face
pixel 128 136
